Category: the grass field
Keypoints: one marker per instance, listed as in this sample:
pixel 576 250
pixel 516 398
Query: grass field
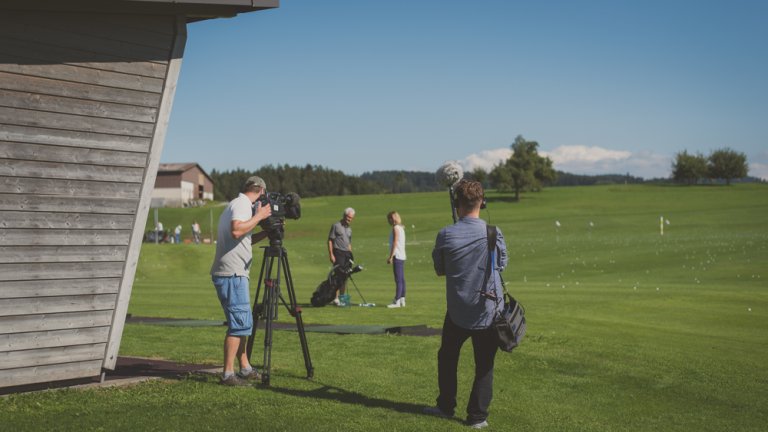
pixel 628 330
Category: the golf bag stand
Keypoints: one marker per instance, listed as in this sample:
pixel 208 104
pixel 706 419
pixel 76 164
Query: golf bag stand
pixel 270 275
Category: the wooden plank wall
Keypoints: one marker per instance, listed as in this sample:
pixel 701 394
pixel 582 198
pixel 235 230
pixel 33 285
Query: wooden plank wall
pixel 80 99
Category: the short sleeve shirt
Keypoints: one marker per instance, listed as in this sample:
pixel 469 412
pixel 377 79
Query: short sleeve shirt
pixel 233 256
pixel 341 236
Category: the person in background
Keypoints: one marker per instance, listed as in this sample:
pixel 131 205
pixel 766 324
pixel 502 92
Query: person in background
pixel 397 257
pixel 177 234
pixel 196 232
pixel 461 255
pixel 230 273
pixel 340 247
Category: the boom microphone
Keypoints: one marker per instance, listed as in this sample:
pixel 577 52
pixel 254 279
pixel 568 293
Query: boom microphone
pixel 449 173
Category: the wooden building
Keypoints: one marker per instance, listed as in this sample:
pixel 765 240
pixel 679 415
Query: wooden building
pixel 86 88
pixel 181 185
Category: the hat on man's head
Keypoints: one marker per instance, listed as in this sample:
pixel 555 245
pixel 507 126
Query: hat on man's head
pixel 255 181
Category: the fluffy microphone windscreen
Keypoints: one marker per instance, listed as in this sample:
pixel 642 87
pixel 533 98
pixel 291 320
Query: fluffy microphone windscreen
pixel 449 173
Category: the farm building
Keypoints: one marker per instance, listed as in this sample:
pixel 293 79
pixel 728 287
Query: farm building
pixel 181 185
pixel 86 88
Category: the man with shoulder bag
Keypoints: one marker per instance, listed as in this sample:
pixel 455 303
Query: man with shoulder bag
pixel 473 291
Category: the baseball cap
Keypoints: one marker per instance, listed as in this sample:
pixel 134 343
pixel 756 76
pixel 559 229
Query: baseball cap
pixel 255 181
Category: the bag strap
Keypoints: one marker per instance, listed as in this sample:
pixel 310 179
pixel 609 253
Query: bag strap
pixel 492 235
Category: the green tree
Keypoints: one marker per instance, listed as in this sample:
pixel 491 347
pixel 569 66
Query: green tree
pixel 500 177
pixel 544 173
pixel 480 175
pixel 525 170
pixel 727 164
pixel 689 168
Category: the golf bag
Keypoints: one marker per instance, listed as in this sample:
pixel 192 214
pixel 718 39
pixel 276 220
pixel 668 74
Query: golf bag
pixel 326 291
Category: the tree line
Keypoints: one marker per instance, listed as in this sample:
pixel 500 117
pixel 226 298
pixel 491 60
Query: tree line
pixel 307 181
pixel 723 164
pixel 524 171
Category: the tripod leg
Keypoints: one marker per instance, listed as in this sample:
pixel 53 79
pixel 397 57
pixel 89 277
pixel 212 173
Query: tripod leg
pixel 271 294
pixel 295 311
pixel 256 308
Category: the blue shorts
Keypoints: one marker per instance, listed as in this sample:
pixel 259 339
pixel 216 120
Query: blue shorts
pixel 235 299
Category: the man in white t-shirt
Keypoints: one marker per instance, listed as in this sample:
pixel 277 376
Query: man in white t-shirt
pixel 230 274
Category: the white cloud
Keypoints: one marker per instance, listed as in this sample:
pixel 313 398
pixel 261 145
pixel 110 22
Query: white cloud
pixel 584 154
pixel 593 160
pixel 486 159
pixel 759 170
pixel 588 160
pixel 598 160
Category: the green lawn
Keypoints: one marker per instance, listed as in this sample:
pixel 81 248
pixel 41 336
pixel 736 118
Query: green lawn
pixel 628 330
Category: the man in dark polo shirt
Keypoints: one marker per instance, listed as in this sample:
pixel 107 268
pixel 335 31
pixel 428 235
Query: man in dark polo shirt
pixel 340 247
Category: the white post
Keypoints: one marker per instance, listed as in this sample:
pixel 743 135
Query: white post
pixel 156 218
pixel 661 224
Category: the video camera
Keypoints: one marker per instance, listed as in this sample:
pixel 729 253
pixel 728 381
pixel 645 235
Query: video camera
pixel 283 206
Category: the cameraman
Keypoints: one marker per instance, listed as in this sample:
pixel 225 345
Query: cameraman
pixel 461 255
pixel 340 247
pixel 230 274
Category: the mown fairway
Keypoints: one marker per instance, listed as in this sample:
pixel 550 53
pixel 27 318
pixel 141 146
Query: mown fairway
pixel 628 330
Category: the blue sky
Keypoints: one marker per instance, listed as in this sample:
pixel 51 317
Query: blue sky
pixel 362 85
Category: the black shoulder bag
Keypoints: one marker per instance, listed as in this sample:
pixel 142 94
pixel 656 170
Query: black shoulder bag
pixel 509 323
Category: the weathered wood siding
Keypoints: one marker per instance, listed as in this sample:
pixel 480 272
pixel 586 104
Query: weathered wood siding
pixel 84 104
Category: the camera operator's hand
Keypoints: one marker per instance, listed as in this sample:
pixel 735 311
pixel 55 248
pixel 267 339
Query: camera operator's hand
pixel 241 228
pixel 262 212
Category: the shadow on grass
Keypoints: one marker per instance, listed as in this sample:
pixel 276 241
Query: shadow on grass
pixel 338 394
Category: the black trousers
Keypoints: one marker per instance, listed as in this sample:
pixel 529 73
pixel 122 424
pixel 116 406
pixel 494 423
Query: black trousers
pixel 342 261
pixel 484 348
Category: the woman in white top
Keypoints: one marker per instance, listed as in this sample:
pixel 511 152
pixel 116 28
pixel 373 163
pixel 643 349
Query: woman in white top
pixel 397 257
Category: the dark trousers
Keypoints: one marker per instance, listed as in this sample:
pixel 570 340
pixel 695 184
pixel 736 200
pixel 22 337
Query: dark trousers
pixel 484 347
pixel 398 268
pixel 342 258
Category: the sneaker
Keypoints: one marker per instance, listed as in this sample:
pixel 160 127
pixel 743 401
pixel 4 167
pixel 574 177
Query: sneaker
pixel 435 411
pixel 481 425
pixel 253 375
pixel 402 301
pixel 395 304
pixel 234 381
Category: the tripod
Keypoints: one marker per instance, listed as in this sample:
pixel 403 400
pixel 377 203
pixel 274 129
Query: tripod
pixel 267 309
